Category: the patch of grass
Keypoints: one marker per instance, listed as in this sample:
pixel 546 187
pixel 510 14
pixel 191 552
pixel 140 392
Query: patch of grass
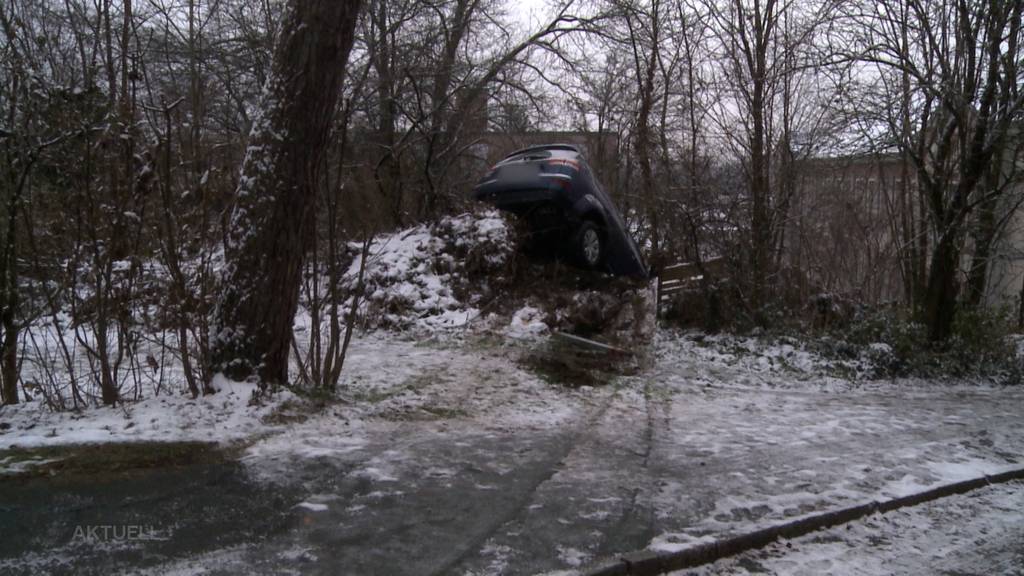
pixel 424 414
pixel 113 458
pixel 486 341
pixel 562 371
pixel 445 412
pixel 412 384
pixel 374 395
pixel 429 342
pixel 571 363
pixel 296 411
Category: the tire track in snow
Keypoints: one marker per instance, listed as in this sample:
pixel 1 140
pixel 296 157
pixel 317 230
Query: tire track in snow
pixel 557 462
pixel 559 455
pixel 632 515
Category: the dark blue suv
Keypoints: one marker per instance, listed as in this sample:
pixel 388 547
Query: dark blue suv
pixel 552 188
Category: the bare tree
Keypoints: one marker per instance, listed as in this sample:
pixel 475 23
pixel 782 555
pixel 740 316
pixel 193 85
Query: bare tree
pixel 959 62
pixel 761 44
pixel 646 30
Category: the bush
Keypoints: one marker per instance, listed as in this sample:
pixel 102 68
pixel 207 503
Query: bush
pixel 981 346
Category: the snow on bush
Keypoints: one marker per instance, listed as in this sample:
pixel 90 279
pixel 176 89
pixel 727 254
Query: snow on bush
pixel 772 359
pixel 433 276
pixel 527 322
pixel 781 361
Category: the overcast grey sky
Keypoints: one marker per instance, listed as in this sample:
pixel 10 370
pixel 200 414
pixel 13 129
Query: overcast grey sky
pixel 529 12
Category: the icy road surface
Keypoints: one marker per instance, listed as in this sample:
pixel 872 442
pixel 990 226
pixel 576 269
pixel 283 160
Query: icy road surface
pixel 450 458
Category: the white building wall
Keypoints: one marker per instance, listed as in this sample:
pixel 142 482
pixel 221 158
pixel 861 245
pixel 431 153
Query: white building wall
pixel 1006 269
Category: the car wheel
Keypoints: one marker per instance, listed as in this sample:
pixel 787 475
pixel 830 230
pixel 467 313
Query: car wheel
pixel 590 244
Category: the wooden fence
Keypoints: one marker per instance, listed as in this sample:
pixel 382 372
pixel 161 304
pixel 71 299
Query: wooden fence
pixel 683 276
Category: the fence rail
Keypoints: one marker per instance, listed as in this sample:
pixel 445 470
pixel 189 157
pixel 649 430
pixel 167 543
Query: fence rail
pixel 681 277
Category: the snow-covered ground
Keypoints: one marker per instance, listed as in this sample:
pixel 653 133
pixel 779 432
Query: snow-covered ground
pixel 418 280
pixel 223 417
pixel 387 377
pixel 981 533
pixel 393 387
pixel 445 429
pixel 511 473
pixel 394 372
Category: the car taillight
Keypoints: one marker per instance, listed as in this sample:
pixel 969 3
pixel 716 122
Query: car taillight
pixel 564 162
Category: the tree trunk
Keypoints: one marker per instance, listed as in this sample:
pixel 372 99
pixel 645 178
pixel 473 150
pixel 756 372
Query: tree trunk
pixel 380 52
pixel 272 220
pixel 940 297
pixel 1020 307
pixel 442 133
pixel 645 68
pixel 984 238
pixel 759 199
pixel 10 359
pixel 911 257
pixel 756 56
pixel 10 296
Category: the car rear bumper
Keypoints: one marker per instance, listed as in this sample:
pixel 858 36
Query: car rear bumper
pixel 514 199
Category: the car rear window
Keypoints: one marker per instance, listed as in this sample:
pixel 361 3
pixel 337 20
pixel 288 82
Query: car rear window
pixel 529 156
pixel 539 154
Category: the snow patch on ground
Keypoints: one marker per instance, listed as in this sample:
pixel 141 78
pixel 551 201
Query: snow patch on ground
pixel 222 417
pixel 780 363
pixel 759 362
pixel 975 533
pixel 500 557
pixel 391 385
pixel 571 556
pixel 808 442
pixel 527 322
pixel 676 541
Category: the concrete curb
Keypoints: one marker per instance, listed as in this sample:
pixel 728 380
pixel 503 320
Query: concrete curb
pixel 645 563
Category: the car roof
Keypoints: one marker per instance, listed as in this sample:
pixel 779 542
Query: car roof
pixel 567 147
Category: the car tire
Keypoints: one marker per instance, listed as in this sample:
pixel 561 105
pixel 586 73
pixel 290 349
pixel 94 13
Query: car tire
pixel 589 244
